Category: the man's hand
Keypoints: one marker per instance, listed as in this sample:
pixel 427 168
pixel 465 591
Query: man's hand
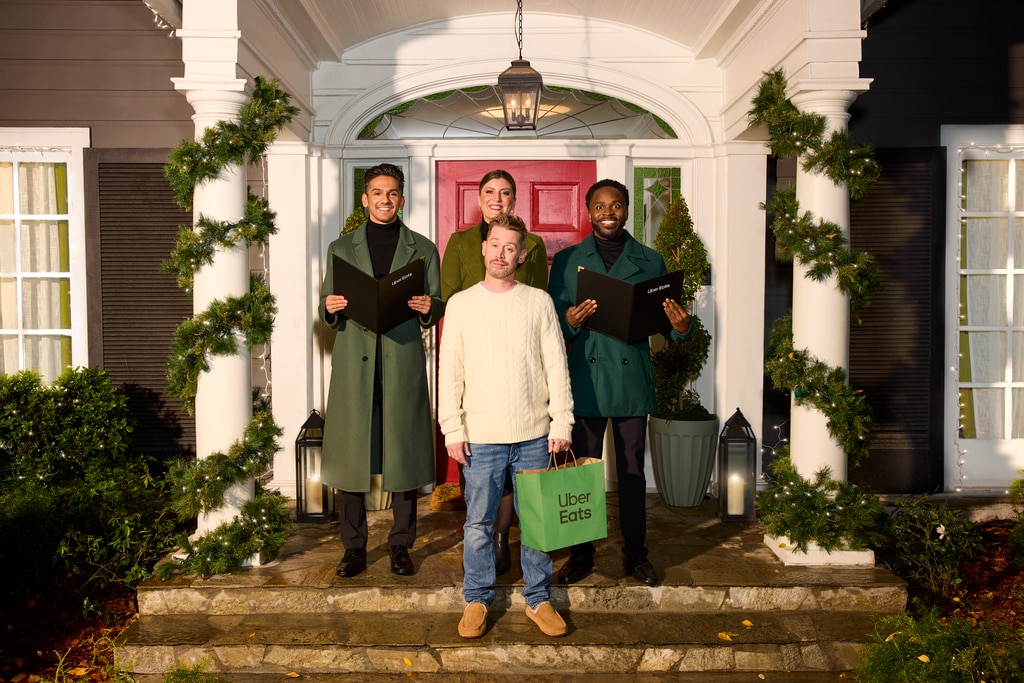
pixel 459 452
pixel 558 445
pixel 677 315
pixel 421 304
pixel 334 303
pixel 578 314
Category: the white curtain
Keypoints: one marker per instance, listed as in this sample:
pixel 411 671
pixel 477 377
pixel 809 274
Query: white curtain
pixel 985 246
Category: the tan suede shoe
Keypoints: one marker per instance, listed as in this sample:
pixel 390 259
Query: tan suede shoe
pixel 547 619
pixel 474 620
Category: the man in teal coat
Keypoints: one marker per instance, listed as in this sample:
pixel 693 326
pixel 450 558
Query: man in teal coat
pixel 378 418
pixel 610 379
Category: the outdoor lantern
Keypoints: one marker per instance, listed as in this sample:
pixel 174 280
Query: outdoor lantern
pixel 737 460
pixel 314 500
pixel 519 86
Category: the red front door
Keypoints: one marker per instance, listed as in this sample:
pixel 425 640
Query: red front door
pixel 549 198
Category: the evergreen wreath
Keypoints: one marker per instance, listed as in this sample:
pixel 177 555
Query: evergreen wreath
pixel 823 510
pixel 200 484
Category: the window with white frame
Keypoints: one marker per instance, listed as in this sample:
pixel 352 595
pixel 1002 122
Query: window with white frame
pixel 42 298
pixel 991 295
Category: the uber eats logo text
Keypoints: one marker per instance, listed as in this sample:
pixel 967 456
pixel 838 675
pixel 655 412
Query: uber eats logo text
pixel 573 507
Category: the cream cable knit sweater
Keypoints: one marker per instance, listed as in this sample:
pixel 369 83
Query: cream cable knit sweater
pixel 503 375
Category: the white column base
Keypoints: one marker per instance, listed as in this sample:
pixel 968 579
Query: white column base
pixel 787 551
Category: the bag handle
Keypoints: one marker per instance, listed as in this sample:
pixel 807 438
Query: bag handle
pixel 553 461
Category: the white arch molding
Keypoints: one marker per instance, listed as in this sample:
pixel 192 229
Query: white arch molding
pixel 681 113
pixel 613 59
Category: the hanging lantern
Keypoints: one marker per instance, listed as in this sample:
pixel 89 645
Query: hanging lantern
pixel 314 500
pixel 519 86
pixel 737 461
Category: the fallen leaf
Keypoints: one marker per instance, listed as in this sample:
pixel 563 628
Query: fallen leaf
pixel 726 635
pixel 760 677
pixel 252 635
pixel 408 662
pixel 889 638
pixel 747 623
pixel 19 677
pixel 291 674
pixel 924 658
pixel 78 671
pixel 426 539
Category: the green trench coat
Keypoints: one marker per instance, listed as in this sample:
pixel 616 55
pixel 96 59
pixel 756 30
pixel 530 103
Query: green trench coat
pixel 408 443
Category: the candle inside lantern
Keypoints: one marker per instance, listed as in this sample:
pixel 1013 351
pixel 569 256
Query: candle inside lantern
pixel 735 495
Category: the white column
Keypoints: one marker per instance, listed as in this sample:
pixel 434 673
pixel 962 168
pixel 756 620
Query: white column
pixel 224 395
pixel 739 282
pixel 821 313
pixel 295 284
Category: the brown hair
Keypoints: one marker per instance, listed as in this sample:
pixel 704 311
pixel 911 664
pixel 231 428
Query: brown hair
pixel 513 223
pixel 498 173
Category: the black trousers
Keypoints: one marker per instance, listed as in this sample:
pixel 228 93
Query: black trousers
pixel 629 435
pixel 354 532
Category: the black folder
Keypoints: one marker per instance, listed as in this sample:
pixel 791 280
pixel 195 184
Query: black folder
pixel 378 305
pixel 628 311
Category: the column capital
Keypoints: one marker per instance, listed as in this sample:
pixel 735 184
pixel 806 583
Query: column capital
pixel 213 100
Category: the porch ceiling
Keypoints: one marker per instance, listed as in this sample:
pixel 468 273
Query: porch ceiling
pixel 329 27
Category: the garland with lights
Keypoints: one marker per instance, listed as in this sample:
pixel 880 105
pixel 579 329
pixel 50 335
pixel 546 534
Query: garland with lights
pixel 821 246
pixel 200 485
pixel 196 245
pixel 831 513
pixel 794 133
pixel 813 382
pixel 214 331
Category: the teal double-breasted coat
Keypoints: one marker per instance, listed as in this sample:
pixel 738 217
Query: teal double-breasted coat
pixel 408 427
pixel 609 378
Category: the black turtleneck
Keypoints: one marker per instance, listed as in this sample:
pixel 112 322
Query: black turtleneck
pixel 610 250
pixel 382 240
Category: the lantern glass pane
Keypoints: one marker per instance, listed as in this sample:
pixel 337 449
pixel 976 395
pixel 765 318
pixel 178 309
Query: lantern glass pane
pixel 313 501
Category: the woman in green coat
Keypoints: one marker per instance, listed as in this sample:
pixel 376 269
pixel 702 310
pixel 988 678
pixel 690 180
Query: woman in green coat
pixel 378 418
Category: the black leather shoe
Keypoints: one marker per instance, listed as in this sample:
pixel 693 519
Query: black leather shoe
pixel 401 563
pixel 642 571
pixel 352 563
pixel 502 556
pixel 575 568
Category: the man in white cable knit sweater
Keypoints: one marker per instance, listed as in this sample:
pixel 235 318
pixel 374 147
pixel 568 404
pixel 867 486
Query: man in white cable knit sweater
pixel 504 401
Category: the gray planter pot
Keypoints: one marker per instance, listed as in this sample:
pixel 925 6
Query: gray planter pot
pixel 683 455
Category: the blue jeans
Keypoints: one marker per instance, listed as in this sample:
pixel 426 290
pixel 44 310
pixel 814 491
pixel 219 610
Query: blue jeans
pixel 485 480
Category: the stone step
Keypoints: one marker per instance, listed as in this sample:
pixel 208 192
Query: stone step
pixel 403 643
pixel 665 599
pixel 294 615
pixel 560 677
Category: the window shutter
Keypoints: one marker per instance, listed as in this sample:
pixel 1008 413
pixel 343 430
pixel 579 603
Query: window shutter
pixel 896 353
pixel 135 306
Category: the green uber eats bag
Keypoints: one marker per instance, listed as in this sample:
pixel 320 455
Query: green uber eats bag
pixel 562 505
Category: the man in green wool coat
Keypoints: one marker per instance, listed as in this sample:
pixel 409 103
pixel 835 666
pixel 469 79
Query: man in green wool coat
pixel 378 418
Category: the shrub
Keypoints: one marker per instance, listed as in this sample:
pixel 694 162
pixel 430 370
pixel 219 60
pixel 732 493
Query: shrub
pixel 925 649
pixel 80 510
pixel 929 543
pixel 1016 537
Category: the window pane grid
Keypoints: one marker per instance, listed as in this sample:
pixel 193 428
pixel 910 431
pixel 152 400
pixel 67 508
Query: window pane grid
pixel 35 268
pixel 991 277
